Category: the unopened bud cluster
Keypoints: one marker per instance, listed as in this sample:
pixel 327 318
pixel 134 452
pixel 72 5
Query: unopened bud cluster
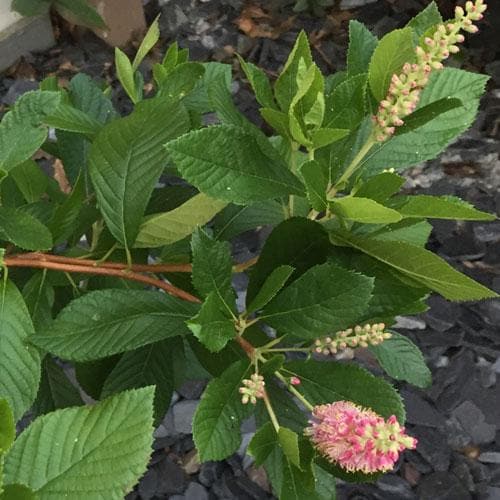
pixel 252 389
pixel 405 88
pixel 359 336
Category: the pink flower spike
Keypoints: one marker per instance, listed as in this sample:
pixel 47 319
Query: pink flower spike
pixel 295 381
pixel 357 439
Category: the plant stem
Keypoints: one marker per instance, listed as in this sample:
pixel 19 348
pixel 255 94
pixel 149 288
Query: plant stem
pixel 295 392
pixel 270 410
pixel 290 349
pixel 352 166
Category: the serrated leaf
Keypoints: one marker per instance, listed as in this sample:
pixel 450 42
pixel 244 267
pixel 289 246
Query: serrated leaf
pixel 277 120
pixel 166 228
pixel 55 390
pixel 21 133
pixel 124 418
pixel 148 42
pixel 236 219
pixel 284 246
pixel 429 140
pixel 151 365
pixel 393 51
pixel 212 267
pixel 361 46
pixel 38 294
pixel 289 442
pixel 286 86
pixel 179 82
pixel 424 115
pixel 19 362
pixel 30 180
pixel 316 183
pixel 380 187
pixel 213 325
pixel 402 360
pixel 438 207
pixel 262 443
pixel 421 265
pixel 324 136
pixel 24 230
pixel 364 210
pixel 232 164
pixel 126 160
pixel 345 105
pixel 216 425
pixel 107 322
pixel 260 84
pixel 425 19
pixel 325 298
pixel 298 483
pixel 323 383
pixel 7 428
pixel 408 231
pixel 71 119
pixel 273 284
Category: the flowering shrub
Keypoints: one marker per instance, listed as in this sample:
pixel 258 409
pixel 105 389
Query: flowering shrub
pixel 120 266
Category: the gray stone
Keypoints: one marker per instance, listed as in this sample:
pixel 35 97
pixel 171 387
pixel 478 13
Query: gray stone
pixel 432 446
pixel 171 478
pixel 149 484
pixel 17 89
pixel 183 413
pixel 492 493
pixel 397 486
pixel 472 420
pixel 196 491
pixel 210 472
pixel 496 366
pixel 421 412
pixel 352 4
pixel 490 457
pixel 407 323
pixel 442 486
pixel 26 35
pixel 192 389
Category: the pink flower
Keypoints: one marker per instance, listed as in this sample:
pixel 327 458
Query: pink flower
pixel 357 439
pixel 295 381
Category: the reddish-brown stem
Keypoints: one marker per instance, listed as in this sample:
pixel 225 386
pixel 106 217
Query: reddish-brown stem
pixel 246 346
pixel 141 268
pixel 239 268
pixel 17 261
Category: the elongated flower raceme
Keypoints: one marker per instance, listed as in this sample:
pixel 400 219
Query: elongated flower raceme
pixel 357 439
pixel 404 91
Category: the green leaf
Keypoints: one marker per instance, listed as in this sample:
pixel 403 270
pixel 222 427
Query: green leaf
pixel 438 207
pixel 7 426
pixel 361 46
pixel 424 115
pixel 402 360
pixel 316 182
pixel 147 366
pixel 148 42
pixel 81 12
pixel 71 119
pixel 408 231
pixel 326 382
pixel 126 160
pixel 212 267
pixel 213 325
pixel 30 7
pixel 236 219
pixel 17 492
pixel 298 483
pixel 262 444
pixel 259 83
pixel 285 246
pixel 286 85
pixel 55 390
pixel 425 20
pixel 273 284
pixel 30 180
pixel 19 362
pixel 24 230
pixel 429 140
pixel 125 74
pixel 289 442
pixel 325 298
pixel 345 105
pixel 380 187
pixel 421 265
pixel 181 80
pixel 324 136
pixel 277 120
pixel 38 294
pixel 118 446
pixel 166 228
pixel 394 50
pixel 216 425
pixel 364 210
pixel 21 133
pixel 92 375
pixel 325 484
pixel 107 322
pixel 243 169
